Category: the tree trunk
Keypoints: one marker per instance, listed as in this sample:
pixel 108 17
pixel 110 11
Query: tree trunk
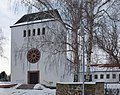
pixel 89 51
pixel 76 53
pixel 90 21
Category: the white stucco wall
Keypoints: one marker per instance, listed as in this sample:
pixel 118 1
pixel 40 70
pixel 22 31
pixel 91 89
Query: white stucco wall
pixel 51 67
pixel 104 73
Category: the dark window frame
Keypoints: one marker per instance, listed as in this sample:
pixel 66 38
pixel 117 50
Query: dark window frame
pixel 43 31
pixel 24 33
pixel 107 76
pixel 84 77
pixel 119 77
pixel 95 76
pixel 101 76
pixel 38 31
pixel 33 32
pixel 29 33
pixel 90 78
pixel 114 76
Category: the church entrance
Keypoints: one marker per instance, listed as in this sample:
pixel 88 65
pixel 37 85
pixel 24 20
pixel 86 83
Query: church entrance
pixel 33 77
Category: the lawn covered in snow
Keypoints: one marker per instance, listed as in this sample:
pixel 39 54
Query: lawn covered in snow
pixel 37 90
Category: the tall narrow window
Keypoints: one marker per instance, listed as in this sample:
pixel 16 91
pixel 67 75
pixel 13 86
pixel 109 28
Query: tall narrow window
pixel 24 33
pixel 85 77
pixel 38 31
pixel 43 31
pixel 119 77
pixel 107 76
pixel 95 76
pixel 101 76
pixel 90 78
pixel 33 32
pixel 29 33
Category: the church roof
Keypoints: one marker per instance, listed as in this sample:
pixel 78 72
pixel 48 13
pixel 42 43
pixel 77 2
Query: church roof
pixel 50 14
pixel 105 65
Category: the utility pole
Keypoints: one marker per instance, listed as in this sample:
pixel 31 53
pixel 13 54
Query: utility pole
pixel 83 37
pixel 83 61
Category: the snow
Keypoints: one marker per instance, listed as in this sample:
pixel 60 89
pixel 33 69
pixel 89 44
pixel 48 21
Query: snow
pixel 112 86
pixel 32 22
pixel 39 87
pixel 11 91
pixel 17 85
pixel 37 90
pixel 5 83
pixel 76 82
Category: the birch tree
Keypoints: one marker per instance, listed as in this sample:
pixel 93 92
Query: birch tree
pixel 95 10
pixel 108 38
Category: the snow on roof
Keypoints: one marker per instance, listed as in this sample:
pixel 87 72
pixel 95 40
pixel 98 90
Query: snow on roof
pixel 105 65
pixel 32 22
pixel 76 82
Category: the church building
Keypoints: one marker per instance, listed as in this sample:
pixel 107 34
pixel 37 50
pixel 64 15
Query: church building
pixel 36 49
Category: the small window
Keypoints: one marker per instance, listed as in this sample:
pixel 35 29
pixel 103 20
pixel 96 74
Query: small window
pixel 38 31
pixel 114 76
pixel 90 78
pixel 84 77
pixel 33 32
pixel 101 76
pixel 107 76
pixel 24 33
pixel 119 77
pixel 29 33
pixel 43 31
pixel 96 77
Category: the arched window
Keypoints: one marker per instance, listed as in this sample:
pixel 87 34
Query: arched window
pixel 29 33
pixel 24 33
pixel 43 31
pixel 38 31
pixel 33 32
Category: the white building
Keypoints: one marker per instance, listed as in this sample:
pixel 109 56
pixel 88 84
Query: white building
pixel 34 57
pixel 106 75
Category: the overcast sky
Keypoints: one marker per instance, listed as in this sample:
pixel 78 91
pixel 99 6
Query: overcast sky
pixel 8 17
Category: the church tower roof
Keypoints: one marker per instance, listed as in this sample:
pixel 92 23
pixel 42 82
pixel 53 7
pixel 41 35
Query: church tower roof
pixel 50 14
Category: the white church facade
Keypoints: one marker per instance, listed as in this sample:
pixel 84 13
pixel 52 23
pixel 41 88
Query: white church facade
pixel 34 59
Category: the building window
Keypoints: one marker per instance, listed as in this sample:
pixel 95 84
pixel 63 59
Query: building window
pixel 95 76
pixel 84 77
pixel 107 76
pixel 29 33
pixel 33 32
pixel 90 78
pixel 24 33
pixel 38 31
pixel 43 31
pixel 113 76
pixel 119 77
pixel 101 76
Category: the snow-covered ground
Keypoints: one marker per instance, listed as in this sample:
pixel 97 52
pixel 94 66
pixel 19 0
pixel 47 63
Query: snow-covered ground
pixel 37 90
pixel 10 91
